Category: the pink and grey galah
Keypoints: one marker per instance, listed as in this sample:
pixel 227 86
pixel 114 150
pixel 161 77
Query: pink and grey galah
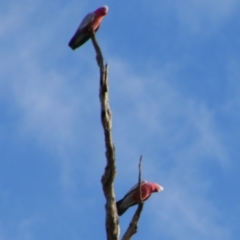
pixel 132 197
pixel 91 22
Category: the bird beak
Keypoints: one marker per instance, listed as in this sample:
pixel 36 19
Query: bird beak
pixel 105 8
pixel 160 188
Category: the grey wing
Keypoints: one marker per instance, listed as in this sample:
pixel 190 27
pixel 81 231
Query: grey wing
pixel 87 19
pixel 128 201
pixel 135 186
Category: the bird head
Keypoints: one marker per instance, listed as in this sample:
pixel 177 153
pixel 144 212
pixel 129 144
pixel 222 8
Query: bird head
pixel 103 10
pixel 157 188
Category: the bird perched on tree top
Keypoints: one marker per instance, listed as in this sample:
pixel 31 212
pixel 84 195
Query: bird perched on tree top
pixel 91 22
pixel 132 197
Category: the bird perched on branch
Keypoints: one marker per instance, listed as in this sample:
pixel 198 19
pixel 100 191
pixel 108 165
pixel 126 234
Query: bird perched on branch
pixel 132 197
pixel 90 23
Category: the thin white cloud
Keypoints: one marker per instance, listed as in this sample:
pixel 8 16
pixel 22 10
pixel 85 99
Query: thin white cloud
pixel 2 233
pixel 25 228
pixel 201 17
pixel 14 17
pixel 22 228
pixel 49 104
pixel 165 113
pixel 232 104
pixel 183 214
pixel 175 134
pixel 182 128
pixel 204 15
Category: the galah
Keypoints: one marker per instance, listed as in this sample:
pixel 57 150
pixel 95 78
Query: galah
pixel 91 22
pixel 132 197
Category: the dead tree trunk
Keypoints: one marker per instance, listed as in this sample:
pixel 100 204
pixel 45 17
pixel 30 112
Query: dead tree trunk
pixel 112 221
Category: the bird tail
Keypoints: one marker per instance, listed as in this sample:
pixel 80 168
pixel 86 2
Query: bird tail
pixel 120 210
pixel 72 44
pixel 78 41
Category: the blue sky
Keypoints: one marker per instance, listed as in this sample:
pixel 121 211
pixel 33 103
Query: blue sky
pixel 174 94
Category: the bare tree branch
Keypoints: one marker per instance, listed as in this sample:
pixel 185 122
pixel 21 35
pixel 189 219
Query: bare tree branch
pixel 112 223
pixel 133 226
